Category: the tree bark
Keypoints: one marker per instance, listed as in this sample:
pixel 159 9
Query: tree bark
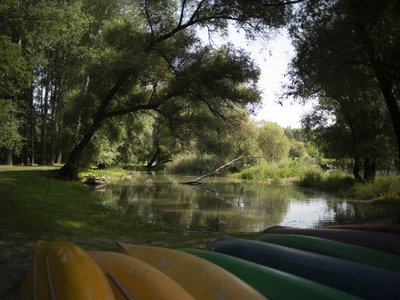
pixel 393 108
pixel 9 153
pixel 59 157
pixel 356 169
pixel 43 157
pixel 369 169
pixel 70 170
pixel 153 159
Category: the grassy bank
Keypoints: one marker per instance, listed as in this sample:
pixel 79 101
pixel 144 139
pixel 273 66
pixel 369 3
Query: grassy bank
pixel 276 171
pixel 303 173
pixel 382 189
pixel 34 206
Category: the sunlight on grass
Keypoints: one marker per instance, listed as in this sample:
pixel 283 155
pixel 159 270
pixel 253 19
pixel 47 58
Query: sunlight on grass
pixel 72 224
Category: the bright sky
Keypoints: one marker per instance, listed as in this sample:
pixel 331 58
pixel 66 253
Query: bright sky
pixel 272 56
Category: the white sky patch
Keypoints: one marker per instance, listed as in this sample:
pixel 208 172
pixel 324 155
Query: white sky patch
pixel 272 56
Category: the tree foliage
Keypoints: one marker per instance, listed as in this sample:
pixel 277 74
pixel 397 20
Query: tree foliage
pixel 333 63
pixel 273 142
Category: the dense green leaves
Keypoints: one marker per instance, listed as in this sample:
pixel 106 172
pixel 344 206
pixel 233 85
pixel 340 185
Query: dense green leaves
pixel 14 72
pixel 273 142
pixel 343 61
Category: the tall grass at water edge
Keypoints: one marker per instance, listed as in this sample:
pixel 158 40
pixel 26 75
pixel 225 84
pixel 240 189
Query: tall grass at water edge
pixel 344 184
pixel 382 188
pixel 192 164
pixel 276 170
pixel 336 181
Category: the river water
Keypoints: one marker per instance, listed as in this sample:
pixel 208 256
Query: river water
pixel 222 205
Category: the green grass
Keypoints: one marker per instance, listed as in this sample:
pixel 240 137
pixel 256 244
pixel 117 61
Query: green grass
pixel 336 181
pixel 383 188
pixel 34 203
pixel 275 170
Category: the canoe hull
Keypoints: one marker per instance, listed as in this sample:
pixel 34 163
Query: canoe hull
pixel 62 271
pixel 347 251
pixel 200 278
pixel 358 279
pixel 271 283
pixel 131 278
pixel 382 241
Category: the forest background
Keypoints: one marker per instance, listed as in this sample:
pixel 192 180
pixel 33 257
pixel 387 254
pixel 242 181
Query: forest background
pixel 108 82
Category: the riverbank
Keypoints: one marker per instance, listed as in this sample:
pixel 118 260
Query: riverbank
pixel 35 206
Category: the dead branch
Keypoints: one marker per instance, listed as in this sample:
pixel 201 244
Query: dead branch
pixel 197 180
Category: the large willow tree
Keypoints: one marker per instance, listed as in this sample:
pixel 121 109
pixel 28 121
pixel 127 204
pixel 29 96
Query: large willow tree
pixel 149 59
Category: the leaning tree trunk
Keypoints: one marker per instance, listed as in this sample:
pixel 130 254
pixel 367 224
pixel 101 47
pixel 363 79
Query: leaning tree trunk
pixel 393 108
pixel 70 170
pixel 153 159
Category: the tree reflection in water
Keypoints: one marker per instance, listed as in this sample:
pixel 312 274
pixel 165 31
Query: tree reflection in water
pixel 222 205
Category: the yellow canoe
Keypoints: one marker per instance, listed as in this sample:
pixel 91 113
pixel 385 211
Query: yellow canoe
pixel 131 278
pixel 62 271
pixel 199 277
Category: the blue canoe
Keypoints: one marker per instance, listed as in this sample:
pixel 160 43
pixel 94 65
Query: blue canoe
pixel 364 281
pixel 347 251
pixel 388 242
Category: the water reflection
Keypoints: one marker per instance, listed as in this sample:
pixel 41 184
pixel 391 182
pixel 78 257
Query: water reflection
pixel 221 205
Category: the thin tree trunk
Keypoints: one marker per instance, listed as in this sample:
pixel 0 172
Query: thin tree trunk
pixel 369 169
pixel 9 153
pixel 32 129
pixel 43 158
pixel 356 169
pixel 53 124
pixel 59 157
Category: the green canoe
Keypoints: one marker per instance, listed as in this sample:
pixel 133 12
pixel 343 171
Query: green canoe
pixel 271 283
pixel 342 250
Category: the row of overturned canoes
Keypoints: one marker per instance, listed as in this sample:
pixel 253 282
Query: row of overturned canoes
pixel 356 262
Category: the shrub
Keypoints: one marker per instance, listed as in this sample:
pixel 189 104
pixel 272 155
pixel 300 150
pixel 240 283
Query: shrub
pixel 275 170
pixel 311 178
pixel 383 187
pixel 192 164
pixel 334 181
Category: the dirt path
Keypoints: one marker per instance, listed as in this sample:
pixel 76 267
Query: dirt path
pixel 15 257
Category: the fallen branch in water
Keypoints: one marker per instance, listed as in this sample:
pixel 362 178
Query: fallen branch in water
pixel 197 180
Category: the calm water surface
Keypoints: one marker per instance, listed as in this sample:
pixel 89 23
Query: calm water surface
pixel 224 205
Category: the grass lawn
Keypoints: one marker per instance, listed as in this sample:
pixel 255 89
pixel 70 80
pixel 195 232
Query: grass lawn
pixel 34 206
